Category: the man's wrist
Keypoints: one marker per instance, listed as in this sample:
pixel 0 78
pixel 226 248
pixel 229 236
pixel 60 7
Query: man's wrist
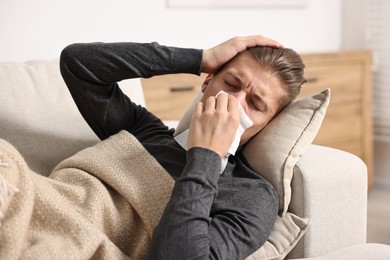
pixel 205 66
pixel 187 61
pixel 203 161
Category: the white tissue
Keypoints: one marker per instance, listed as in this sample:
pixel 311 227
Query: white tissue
pixel 245 123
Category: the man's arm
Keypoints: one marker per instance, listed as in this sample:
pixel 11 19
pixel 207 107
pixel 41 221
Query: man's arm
pixel 241 222
pixel 183 231
pixel 91 72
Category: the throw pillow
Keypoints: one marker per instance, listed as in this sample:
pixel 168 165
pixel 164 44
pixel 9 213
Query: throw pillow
pixel 287 231
pixel 275 150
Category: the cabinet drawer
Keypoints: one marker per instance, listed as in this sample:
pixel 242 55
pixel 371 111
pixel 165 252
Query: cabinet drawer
pixel 342 122
pixel 343 125
pixel 344 79
pixel 169 96
pixel 354 147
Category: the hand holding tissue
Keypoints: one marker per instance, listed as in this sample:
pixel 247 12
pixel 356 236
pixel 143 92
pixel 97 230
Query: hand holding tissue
pixel 245 122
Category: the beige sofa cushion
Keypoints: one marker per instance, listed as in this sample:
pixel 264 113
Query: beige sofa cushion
pixel 39 117
pixel 371 251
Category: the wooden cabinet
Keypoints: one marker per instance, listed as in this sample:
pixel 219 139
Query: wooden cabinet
pixel 348 122
pixel 347 125
pixel 169 96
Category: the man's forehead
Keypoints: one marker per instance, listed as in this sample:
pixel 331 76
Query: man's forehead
pixel 244 71
pixel 244 63
pixel 242 57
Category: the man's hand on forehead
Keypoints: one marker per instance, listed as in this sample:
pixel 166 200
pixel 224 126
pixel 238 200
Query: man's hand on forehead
pixel 217 56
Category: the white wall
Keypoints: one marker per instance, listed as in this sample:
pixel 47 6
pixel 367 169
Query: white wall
pixel 40 29
pixel 355 36
pixel 354 22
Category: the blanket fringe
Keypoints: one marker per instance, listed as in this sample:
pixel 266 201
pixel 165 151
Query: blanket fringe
pixel 6 189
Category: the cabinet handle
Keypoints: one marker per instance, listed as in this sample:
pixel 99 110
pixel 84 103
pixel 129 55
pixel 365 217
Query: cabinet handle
pixel 181 89
pixel 311 80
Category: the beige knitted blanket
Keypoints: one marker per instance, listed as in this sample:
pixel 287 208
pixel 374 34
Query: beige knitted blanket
pixel 102 203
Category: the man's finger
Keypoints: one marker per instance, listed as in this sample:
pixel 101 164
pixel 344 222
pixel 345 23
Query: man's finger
pixel 198 109
pixel 210 104
pixel 232 104
pixel 222 102
pixel 259 40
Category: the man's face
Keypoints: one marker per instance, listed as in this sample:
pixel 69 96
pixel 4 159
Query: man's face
pixel 258 91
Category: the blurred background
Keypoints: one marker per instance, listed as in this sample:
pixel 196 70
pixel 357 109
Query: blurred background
pixel 40 29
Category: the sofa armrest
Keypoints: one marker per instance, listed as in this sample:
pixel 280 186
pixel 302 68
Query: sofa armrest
pixel 330 188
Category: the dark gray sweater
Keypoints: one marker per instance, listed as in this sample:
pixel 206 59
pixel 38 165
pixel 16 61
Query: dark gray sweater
pixel 209 216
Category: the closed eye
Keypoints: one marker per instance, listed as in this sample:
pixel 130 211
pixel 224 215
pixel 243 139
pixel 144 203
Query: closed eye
pixel 259 103
pixel 230 85
pixel 256 106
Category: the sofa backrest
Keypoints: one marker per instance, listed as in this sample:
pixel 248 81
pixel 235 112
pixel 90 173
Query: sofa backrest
pixel 39 117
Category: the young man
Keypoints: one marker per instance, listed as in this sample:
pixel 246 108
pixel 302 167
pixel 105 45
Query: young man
pixel 209 215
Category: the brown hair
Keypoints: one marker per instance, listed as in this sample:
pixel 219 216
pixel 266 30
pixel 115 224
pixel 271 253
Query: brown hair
pixel 286 65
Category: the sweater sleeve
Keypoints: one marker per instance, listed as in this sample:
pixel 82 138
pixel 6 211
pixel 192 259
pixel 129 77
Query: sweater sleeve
pixel 203 220
pixel 183 230
pixel 92 70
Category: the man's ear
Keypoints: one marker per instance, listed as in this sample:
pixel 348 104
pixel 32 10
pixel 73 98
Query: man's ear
pixel 206 82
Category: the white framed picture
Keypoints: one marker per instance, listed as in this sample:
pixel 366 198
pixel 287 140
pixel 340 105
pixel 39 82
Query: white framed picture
pixel 237 3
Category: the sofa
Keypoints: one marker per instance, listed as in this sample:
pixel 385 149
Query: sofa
pixel 328 187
